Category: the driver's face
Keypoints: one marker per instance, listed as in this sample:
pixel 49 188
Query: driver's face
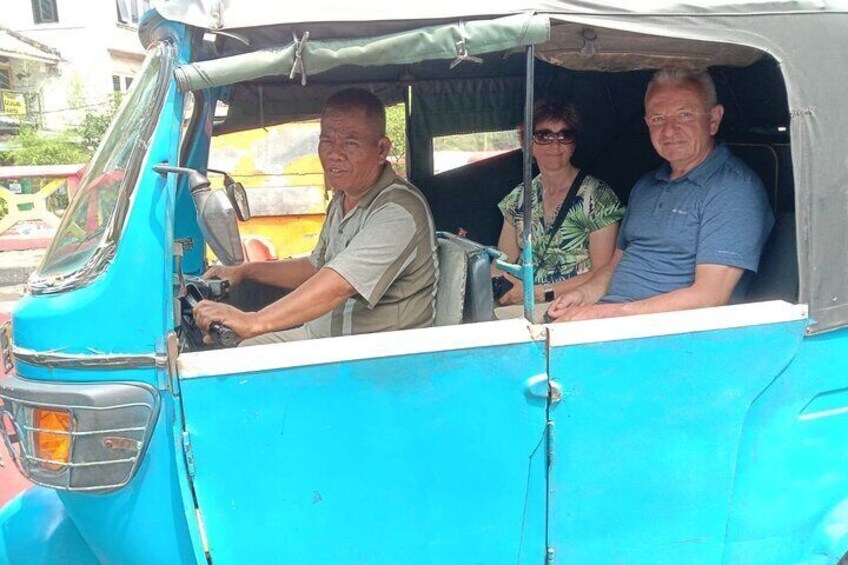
pixel 351 154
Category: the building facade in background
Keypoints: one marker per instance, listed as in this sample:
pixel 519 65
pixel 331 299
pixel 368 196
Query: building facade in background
pixel 26 67
pixel 94 53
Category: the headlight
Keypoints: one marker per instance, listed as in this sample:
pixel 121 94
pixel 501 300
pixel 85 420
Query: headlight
pixel 82 437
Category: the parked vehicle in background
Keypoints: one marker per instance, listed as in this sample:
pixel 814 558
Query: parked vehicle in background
pixel 285 184
pixel 714 435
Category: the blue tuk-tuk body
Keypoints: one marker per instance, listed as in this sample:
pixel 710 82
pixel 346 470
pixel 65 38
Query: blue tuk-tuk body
pixel 703 436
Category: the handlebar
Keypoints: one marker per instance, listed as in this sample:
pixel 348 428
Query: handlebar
pixel 223 335
pixel 198 289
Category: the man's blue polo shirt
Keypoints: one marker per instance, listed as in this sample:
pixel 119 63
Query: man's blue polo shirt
pixel 717 214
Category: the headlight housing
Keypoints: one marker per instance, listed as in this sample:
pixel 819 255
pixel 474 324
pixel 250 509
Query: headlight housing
pixel 78 437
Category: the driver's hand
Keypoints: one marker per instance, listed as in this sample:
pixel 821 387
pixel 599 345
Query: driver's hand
pixel 234 274
pixel 242 323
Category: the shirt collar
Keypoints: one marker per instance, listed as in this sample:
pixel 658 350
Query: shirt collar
pixel 701 173
pixel 386 178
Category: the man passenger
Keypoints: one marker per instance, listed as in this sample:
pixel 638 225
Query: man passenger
pixel 692 228
pixel 374 267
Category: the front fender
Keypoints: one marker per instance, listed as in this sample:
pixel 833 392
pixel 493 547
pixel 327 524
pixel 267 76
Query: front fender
pixel 35 529
pixel 830 538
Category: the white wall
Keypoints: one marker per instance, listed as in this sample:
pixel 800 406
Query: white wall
pixel 94 46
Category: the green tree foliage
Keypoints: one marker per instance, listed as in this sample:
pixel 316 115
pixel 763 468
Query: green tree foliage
pixel 93 126
pixel 396 131
pixel 76 145
pixel 34 147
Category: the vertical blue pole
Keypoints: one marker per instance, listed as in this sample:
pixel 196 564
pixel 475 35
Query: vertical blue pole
pixel 526 238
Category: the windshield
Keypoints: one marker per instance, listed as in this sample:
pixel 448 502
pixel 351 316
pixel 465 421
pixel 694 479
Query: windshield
pixel 86 236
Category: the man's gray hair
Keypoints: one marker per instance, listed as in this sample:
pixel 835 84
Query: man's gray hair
pixel 351 99
pixel 700 79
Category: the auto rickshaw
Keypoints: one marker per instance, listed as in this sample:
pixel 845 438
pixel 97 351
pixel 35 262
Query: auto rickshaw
pixel 713 435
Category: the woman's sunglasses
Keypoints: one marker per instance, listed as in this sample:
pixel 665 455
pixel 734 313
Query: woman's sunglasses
pixel 546 136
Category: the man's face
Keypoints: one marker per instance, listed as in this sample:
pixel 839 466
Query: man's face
pixel 681 126
pixel 351 154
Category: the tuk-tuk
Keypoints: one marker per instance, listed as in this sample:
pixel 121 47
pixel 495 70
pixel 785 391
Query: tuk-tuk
pixel 714 435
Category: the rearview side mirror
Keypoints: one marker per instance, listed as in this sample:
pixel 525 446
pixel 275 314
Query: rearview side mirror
pixel 238 198
pixel 216 215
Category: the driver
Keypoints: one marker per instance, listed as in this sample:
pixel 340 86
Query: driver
pixel 374 267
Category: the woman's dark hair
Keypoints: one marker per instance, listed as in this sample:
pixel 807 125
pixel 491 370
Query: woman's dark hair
pixel 557 111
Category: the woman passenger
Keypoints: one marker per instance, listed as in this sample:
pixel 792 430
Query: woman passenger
pixel 569 243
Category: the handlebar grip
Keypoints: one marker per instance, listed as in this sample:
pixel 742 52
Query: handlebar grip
pixel 223 336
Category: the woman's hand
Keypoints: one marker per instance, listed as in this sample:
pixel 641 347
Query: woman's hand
pixel 515 295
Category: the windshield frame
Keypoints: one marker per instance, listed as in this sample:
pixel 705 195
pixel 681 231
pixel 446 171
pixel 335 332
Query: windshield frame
pixel 103 252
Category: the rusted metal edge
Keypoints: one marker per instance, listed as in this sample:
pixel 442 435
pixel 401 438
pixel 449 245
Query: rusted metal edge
pixel 54 360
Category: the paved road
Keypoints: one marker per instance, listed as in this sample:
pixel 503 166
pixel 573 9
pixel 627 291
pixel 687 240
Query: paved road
pixel 8 296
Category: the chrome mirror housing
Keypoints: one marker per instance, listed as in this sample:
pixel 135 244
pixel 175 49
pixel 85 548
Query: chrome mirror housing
pixel 216 215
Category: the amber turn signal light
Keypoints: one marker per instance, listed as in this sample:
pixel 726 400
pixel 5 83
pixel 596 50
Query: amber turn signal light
pixel 52 437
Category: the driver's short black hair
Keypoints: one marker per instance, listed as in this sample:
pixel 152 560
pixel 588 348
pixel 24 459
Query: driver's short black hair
pixel 359 99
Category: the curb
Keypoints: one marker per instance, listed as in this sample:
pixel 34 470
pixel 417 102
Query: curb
pixel 17 274
pixel 16 266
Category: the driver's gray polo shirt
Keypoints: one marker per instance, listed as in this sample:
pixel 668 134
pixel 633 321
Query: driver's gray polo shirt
pixel 385 247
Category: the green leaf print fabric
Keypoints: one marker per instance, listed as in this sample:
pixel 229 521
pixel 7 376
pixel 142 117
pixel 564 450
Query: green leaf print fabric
pixel 567 254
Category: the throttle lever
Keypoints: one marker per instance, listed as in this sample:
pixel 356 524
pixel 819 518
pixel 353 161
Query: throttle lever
pixel 223 335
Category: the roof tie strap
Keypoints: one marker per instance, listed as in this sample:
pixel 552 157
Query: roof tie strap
pixel 298 67
pixel 462 49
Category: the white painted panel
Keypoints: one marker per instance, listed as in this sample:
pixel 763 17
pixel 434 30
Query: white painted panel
pixel 669 323
pixel 350 348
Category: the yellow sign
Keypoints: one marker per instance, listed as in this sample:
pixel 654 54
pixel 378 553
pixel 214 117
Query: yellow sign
pixel 14 104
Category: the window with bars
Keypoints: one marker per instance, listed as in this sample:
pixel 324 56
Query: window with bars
pixel 44 11
pixel 130 10
pixel 5 78
pixel 121 83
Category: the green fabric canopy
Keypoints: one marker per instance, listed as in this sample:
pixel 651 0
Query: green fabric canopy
pixel 459 41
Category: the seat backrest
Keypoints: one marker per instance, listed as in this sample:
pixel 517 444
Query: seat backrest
pixel 777 276
pixel 465 282
pixel 763 160
pixel 450 292
pixel 479 301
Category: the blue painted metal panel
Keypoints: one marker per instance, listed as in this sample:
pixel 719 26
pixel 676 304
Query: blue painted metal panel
pixel 431 458
pixel 146 521
pixel 646 440
pixel 35 530
pixel 790 502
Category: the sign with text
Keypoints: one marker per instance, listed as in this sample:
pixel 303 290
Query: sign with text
pixel 14 103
